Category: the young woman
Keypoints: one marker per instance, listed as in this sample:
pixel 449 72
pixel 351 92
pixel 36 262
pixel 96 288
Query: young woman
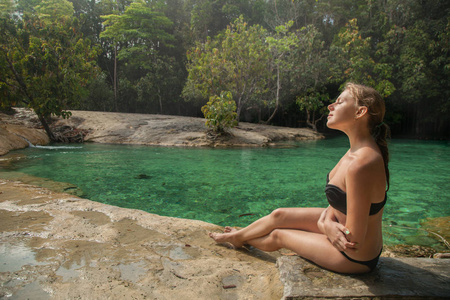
pixel 346 237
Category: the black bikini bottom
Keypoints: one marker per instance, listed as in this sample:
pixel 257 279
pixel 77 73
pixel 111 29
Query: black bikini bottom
pixel 370 263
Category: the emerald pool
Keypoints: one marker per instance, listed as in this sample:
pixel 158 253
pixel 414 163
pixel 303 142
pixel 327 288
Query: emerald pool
pixel 237 186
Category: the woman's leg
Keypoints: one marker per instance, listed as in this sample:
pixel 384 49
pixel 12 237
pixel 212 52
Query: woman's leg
pixel 310 245
pixel 281 218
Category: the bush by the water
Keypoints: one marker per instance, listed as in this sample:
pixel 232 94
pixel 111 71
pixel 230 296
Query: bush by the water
pixel 220 112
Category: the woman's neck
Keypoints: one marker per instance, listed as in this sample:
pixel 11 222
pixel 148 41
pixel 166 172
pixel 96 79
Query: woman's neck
pixel 359 137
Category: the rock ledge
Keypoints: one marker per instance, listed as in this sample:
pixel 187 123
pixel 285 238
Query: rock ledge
pixel 410 278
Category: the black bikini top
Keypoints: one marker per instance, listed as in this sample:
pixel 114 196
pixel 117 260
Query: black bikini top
pixel 337 198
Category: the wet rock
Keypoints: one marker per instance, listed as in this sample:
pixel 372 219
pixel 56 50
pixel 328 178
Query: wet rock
pixel 65 187
pixel 18 137
pixel 439 229
pixel 441 255
pixel 409 251
pixel 80 249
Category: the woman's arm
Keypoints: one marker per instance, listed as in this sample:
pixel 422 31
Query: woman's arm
pixel 360 189
pixel 336 232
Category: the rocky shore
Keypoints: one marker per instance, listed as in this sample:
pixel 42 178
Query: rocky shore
pixel 143 129
pixel 56 245
pixel 59 246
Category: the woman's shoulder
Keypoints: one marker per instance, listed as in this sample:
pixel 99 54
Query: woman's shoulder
pixel 365 160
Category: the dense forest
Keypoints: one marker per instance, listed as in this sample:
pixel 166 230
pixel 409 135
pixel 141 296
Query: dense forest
pixel 278 62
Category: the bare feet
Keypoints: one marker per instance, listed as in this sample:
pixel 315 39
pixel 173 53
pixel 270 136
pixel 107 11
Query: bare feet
pixel 229 229
pixel 228 237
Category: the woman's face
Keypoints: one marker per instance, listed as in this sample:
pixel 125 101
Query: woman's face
pixel 342 112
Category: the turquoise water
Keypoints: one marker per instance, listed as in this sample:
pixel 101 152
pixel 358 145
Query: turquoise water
pixel 237 186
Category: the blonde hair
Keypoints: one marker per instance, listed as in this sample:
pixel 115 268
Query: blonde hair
pixel 370 98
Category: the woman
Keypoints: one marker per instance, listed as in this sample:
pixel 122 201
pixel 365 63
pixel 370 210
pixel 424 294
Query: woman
pixel 346 237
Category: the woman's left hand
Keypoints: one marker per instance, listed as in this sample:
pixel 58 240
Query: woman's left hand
pixel 336 232
pixel 338 235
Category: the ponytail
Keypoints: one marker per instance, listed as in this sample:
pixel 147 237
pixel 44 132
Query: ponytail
pixel 381 133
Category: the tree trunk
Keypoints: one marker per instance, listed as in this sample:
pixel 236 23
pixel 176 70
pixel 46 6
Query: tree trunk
pixel 310 123
pixel 238 109
pixel 160 101
pixel 46 127
pixel 277 96
pixel 115 76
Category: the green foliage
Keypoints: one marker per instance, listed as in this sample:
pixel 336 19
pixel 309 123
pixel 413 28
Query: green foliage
pixel 286 54
pixel 142 37
pixel 355 61
pixel 309 72
pixel 50 10
pixel 235 62
pixel 281 45
pixel 44 65
pixel 220 112
pixel 6 8
pixel 210 18
pixel 99 96
pixel 313 103
pixel 142 32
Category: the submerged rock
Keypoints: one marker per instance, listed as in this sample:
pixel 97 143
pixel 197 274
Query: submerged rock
pixel 143 176
pixel 439 229
pixel 409 251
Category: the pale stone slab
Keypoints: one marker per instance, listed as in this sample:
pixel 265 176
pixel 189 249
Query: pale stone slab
pixel 411 278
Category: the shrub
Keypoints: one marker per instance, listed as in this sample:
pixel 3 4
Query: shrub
pixel 220 112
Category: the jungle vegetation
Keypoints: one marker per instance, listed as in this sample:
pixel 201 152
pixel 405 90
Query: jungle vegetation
pixel 278 62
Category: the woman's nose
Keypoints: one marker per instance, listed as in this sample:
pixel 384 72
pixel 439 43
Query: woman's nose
pixel 330 107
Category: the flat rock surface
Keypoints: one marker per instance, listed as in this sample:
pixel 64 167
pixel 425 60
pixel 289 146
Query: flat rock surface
pixel 412 278
pixel 164 130
pixel 58 246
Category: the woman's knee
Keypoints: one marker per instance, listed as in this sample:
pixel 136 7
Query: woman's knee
pixel 278 214
pixel 275 241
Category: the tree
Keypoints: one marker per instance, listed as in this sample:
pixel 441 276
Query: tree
pixel 6 8
pixel 159 84
pixel 44 64
pixel 313 102
pixel 419 58
pixel 141 36
pixel 210 18
pixel 281 45
pixel 354 59
pixel 50 10
pixel 236 62
pixel 309 74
